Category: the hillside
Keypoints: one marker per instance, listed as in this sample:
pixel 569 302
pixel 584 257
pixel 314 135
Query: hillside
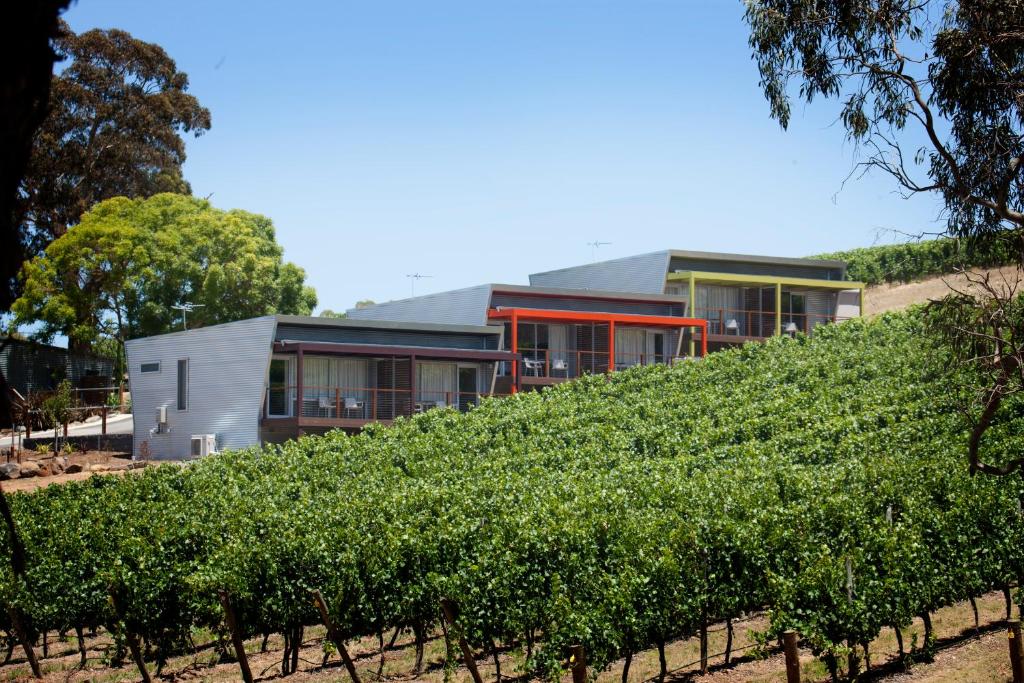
pixel 899 296
pixel 616 512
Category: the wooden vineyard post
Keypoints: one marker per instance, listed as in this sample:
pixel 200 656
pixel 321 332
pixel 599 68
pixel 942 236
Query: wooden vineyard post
pixel 578 662
pixel 450 614
pixel 792 656
pixel 236 635
pixel 332 633
pixel 1016 650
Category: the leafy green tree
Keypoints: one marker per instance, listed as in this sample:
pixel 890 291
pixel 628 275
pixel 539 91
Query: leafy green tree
pixel 931 91
pixel 117 112
pixel 57 410
pixel 328 313
pixel 118 273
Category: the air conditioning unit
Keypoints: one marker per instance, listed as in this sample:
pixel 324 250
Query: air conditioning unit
pixel 203 445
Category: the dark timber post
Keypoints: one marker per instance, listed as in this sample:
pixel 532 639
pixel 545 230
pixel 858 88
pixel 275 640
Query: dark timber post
pixel 332 633
pixel 578 662
pixel 1016 650
pixel 450 614
pixel 236 635
pixel 792 656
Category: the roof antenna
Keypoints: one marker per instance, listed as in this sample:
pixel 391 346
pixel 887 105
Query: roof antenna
pixel 413 277
pixel 185 308
pixel 594 246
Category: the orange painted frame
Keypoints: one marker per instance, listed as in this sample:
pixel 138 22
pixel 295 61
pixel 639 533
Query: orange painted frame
pixel 514 315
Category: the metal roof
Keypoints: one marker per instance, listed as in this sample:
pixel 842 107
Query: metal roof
pixel 713 256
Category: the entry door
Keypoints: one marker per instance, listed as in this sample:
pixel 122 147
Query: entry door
pixel 280 387
pixel 468 386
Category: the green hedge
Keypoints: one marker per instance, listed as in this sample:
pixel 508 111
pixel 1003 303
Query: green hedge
pixel 916 260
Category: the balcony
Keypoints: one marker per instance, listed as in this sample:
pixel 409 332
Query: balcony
pixel 551 366
pixel 354 407
pixel 739 325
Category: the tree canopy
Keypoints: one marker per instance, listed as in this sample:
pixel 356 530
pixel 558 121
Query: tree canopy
pixel 931 91
pixel 118 273
pixel 117 112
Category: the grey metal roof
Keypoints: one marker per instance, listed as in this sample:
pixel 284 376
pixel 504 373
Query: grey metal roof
pixel 373 324
pixel 640 273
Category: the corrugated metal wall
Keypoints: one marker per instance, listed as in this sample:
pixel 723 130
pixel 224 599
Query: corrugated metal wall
pixel 642 274
pixel 227 374
pixel 342 335
pixel 458 307
pixel 39 367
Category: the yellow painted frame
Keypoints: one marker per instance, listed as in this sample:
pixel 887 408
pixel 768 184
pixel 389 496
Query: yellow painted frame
pixel 692 277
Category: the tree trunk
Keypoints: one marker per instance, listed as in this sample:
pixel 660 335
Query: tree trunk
pixel 974 608
pixel 661 659
pixel 497 662
pixel 81 646
pixel 625 667
pixel 704 644
pixel 899 640
pixel 286 655
pixel 296 646
pixel 1009 602
pixel 421 636
pixel 728 641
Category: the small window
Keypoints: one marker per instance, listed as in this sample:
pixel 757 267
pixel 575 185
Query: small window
pixel 150 367
pixel 183 384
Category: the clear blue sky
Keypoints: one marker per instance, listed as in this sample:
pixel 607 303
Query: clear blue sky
pixel 481 141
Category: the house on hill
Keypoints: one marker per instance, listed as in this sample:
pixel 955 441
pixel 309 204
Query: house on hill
pixel 742 297
pixel 277 377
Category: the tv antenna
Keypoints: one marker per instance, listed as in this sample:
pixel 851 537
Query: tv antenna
pixel 413 277
pixel 594 246
pixel 186 308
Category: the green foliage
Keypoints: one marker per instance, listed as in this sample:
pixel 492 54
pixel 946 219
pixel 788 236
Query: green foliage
pixel 117 111
pixel 614 511
pixel 916 260
pixel 117 274
pixel 928 91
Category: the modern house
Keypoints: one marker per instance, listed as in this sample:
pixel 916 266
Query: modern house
pixel 273 378
pixel 741 297
pixel 276 377
pixel 560 333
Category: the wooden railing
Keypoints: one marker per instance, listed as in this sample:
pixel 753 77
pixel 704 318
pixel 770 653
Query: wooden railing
pixel 362 403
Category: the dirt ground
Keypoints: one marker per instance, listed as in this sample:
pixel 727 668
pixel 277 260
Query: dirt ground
pixel 898 297
pixel 964 656
pixel 114 463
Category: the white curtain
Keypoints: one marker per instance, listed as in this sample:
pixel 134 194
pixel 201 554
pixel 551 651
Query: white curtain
pixel 323 377
pixel 558 342
pixel 437 382
pixel 630 346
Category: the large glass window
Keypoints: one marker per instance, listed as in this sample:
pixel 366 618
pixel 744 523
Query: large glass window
pixel 794 309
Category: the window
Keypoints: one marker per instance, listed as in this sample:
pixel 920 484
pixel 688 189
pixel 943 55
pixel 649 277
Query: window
pixel 183 384
pixel 150 367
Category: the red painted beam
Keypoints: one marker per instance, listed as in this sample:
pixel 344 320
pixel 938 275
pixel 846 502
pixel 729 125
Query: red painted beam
pixel 587 316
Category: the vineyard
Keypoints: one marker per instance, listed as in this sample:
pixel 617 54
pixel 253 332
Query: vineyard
pixel 917 260
pixel 822 480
